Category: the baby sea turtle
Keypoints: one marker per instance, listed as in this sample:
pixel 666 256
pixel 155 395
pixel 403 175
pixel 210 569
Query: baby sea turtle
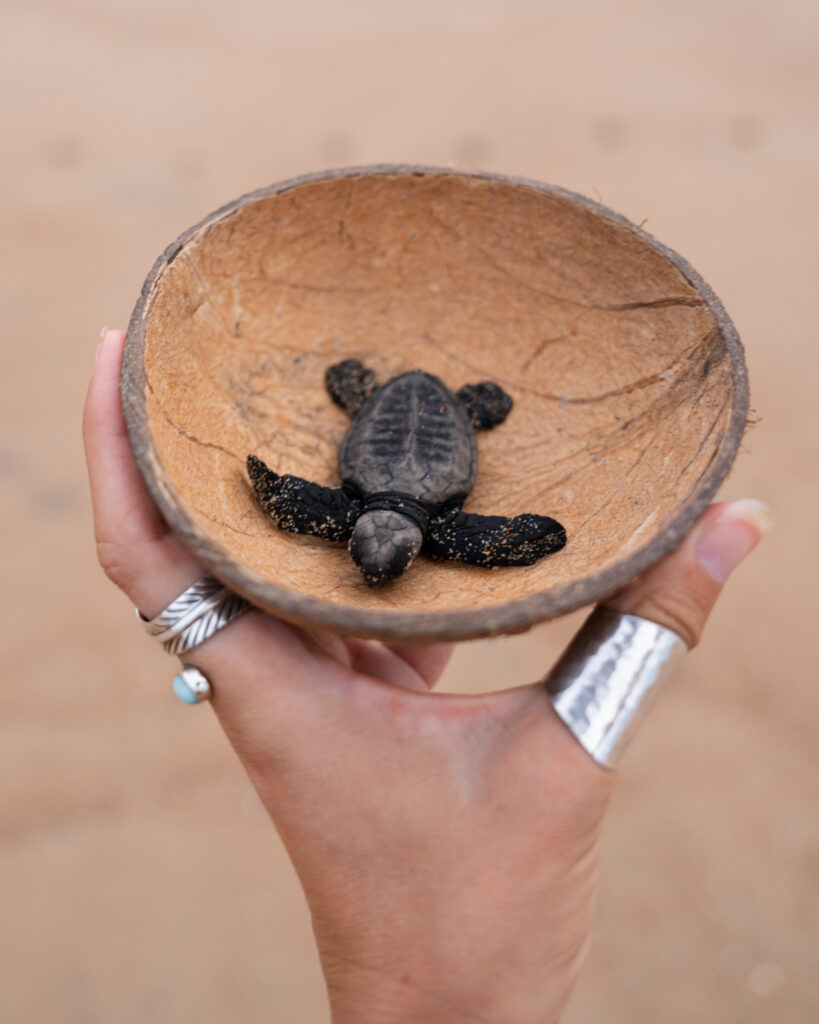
pixel 407 464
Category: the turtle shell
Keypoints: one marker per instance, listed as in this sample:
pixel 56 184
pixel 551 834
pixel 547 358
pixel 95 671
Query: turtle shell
pixel 412 437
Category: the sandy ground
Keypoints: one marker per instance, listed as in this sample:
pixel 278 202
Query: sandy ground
pixel 140 878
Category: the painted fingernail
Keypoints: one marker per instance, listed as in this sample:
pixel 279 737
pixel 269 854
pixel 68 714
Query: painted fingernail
pixel 734 533
pixel 100 340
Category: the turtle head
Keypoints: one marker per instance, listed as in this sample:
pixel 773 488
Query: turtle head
pixel 384 544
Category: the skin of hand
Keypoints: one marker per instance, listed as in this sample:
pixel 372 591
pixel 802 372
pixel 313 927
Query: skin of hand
pixel 447 845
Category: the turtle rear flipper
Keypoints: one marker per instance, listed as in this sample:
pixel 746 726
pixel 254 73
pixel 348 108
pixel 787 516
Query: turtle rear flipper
pixel 300 506
pixel 349 384
pixel 459 536
pixel 486 404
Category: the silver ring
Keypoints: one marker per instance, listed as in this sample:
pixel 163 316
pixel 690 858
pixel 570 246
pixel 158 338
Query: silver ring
pixel 202 610
pixel 191 686
pixel 187 602
pixel 604 683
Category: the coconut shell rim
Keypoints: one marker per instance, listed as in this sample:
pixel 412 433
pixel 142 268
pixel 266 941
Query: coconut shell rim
pixel 509 617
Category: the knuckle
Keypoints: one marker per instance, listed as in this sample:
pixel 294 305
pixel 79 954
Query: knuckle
pixel 679 610
pixel 92 420
pixel 110 558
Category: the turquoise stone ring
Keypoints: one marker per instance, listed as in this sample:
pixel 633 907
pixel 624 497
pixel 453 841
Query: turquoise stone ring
pixel 191 686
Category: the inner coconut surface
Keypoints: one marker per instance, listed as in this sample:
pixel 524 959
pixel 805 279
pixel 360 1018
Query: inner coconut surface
pixel 619 376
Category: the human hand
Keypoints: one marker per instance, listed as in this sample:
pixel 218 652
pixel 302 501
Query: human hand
pixel 447 845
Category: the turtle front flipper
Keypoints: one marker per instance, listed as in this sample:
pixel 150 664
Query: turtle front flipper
pixel 349 384
pixel 459 536
pixel 300 506
pixel 486 404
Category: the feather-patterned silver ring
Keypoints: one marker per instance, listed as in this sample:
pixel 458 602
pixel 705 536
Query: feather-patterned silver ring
pixel 202 610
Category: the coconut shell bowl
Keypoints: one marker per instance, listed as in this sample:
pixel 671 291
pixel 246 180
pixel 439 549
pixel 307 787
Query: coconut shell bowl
pixel 628 380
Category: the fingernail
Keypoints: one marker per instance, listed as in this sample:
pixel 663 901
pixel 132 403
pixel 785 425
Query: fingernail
pixel 732 535
pixel 100 340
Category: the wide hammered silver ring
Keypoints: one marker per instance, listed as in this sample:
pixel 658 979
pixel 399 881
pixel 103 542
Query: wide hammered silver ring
pixel 609 675
pixel 202 610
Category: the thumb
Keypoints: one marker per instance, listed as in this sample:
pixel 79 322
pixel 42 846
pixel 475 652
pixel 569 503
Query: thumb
pixel 681 590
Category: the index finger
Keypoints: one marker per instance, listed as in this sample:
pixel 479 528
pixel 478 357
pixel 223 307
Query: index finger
pixel 134 544
pixel 123 509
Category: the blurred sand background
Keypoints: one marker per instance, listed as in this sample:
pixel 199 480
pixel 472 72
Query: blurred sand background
pixel 140 878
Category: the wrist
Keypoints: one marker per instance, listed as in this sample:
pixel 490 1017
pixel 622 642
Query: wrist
pixel 360 995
